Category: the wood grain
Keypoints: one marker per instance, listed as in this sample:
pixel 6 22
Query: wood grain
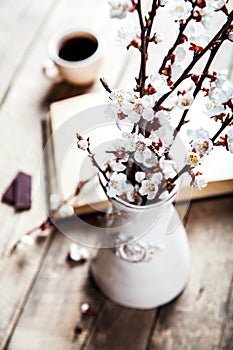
pixel 52 312
pixel 121 328
pixel 20 22
pixel 200 317
pixel 40 293
pixel 25 104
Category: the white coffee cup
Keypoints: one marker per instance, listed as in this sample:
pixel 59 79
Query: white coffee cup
pixel 74 56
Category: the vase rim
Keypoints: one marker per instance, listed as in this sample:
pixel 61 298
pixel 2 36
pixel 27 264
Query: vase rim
pixel 149 206
pixel 120 201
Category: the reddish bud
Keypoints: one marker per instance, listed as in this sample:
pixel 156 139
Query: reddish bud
pixel 195 78
pixel 195 48
pixel 183 38
pixel 201 3
pixel 197 16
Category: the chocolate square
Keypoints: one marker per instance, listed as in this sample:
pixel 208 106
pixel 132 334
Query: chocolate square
pixel 22 192
pixel 19 192
pixel 8 196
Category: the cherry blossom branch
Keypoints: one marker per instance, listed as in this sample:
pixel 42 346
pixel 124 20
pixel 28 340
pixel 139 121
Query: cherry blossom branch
pixel 50 221
pixel 177 41
pixel 94 162
pixel 186 168
pixel 150 21
pixel 105 85
pixel 226 122
pixel 199 84
pixel 47 223
pixel 142 73
pixel 145 40
pixel 219 36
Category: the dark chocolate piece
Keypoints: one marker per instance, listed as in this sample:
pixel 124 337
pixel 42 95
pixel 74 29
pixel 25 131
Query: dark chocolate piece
pixel 22 192
pixel 8 196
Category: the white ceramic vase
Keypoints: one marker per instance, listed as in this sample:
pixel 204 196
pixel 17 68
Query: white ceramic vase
pixel 154 268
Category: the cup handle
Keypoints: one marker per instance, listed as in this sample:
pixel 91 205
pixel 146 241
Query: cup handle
pixel 51 72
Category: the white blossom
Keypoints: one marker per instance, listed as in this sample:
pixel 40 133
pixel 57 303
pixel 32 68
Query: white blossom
pixel 119 8
pixel 82 144
pixel 216 4
pixel 222 91
pixel 143 154
pixel 27 239
pixel 230 140
pixel 130 140
pixel 112 111
pixel 141 107
pixel 180 54
pixel 65 211
pixel 162 2
pixel 181 9
pixel 159 82
pixel 78 253
pixel 121 148
pixel 117 97
pixel 200 182
pixel 192 159
pixel 200 40
pixel 206 16
pixel 121 96
pixel 116 185
pixel 127 33
pixel 165 132
pixel 185 100
pixel 230 35
pixel 168 167
pixel 158 37
pixel 201 142
pixel 116 164
pixel 213 108
pixel 140 176
pixel 55 200
pixel 149 187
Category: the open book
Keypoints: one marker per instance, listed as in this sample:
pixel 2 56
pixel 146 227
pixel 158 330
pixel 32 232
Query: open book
pixel 218 166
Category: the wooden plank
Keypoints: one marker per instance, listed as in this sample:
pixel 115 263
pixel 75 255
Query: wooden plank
pixel 121 328
pixel 23 108
pixel 71 285
pixel 19 22
pixel 53 309
pixel 25 105
pixel 226 341
pixel 198 318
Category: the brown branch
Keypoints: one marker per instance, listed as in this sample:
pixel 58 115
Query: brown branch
pixel 177 41
pixel 142 73
pixel 184 170
pixel 227 121
pixel 152 15
pixel 218 36
pixel 91 155
pixel 105 85
pixel 200 82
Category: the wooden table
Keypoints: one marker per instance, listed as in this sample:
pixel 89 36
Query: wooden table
pixel 40 293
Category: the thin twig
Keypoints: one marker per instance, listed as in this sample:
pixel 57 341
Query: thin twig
pixel 227 121
pixel 218 36
pixel 142 73
pixel 152 15
pixel 177 41
pixel 92 156
pixel 105 85
pixel 200 82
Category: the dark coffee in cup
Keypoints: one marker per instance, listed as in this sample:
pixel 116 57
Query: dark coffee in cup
pixel 77 49
pixel 75 56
